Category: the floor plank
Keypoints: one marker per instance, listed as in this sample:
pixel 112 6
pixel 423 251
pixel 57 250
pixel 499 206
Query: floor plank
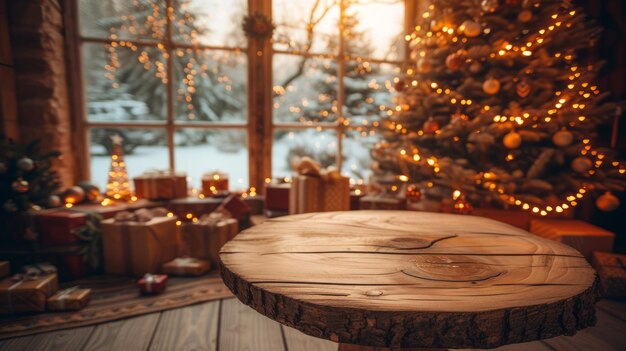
pixel 614 308
pixel 188 328
pixel 607 335
pixel 298 341
pixel 126 334
pixel 15 344
pixel 243 329
pixel 69 339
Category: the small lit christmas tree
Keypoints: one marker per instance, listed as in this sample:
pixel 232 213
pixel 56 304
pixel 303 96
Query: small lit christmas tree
pixel 118 187
pixel 500 108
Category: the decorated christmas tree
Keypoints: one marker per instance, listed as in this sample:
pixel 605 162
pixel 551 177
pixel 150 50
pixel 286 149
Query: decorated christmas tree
pixel 501 108
pixel 118 187
pixel 27 177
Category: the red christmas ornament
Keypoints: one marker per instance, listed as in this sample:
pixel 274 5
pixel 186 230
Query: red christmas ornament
pixel 431 126
pixel 413 193
pixel 454 61
pixel 399 85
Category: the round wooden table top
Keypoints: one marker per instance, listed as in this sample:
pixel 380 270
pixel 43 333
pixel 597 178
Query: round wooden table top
pixel 410 279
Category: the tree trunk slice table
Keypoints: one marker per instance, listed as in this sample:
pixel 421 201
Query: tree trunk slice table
pixel 400 279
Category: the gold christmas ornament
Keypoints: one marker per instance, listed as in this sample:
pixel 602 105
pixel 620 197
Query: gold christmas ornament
pixel 454 61
pixel 512 140
pixel 607 202
pixel 525 16
pixel 563 138
pixel 491 86
pixel 489 6
pixel 475 67
pixel 581 164
pixel 20 186
pixel 74 195
pixel 423 65
pixel 431 126
pixel 471 29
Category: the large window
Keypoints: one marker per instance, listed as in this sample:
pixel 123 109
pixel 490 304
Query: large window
pixel 333 68
pixel 173 79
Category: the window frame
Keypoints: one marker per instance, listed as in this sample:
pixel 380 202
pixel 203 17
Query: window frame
pixel 260 130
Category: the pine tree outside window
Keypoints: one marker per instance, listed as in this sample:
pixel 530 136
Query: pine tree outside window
pixel 176 84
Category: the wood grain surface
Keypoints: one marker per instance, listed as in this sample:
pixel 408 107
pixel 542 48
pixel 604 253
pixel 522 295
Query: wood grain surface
pixel 410 279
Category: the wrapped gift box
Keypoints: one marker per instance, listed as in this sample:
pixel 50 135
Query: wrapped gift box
pixel 236 207
pixel 185 266
pixel 316 190
pixel 152 283
pixel 5 268
pixel 71 299
pixel 582 236
pixel 382 203
pixel 193 206
pixel 256 203
pixel 108 211
pixel 136 244
pixel 277 197
pixel 23 293
pixel 612 271
pixel 57 226
pixel 205 238
pixel 161 185
pixel 214 183
pixel 516 218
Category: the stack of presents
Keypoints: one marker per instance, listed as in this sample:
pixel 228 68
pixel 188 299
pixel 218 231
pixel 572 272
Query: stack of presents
pixel 167 233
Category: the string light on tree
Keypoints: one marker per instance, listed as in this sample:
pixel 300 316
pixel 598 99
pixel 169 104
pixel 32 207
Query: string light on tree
pixel 118 186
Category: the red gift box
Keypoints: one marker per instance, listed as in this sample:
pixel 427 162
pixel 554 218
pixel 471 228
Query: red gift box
pixel 277 196
pixel 69 266
pixel 214 183
pixel 56 227
pixel 152 283
pixel 236 207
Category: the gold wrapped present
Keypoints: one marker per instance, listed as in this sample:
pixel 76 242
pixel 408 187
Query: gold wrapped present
pixel 214 183
pixel 26 293
pixel 71 299
pixel 204 238
pixel 317 190
pixel 139 243
pixel 184 266
pixel 159 185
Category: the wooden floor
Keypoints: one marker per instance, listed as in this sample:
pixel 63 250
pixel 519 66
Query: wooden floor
pixel 228 325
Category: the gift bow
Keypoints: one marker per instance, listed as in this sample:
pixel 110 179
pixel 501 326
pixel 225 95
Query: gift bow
pixel 214 217
pixel 308 167
pixel 141 215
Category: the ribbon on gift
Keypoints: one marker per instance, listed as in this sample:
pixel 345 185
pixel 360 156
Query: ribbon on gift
pixel 306 166
pixel 142 215
pixel 38 269
pixel 65 294
pixel 149 279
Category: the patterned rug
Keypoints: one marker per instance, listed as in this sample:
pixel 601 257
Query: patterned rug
pixel 116 298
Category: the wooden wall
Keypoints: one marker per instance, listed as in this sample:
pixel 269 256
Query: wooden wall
pixel 8 102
